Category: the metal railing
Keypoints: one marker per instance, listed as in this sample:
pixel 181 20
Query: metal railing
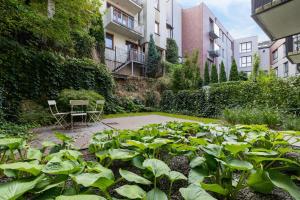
pixel 263 3
pixel 292 44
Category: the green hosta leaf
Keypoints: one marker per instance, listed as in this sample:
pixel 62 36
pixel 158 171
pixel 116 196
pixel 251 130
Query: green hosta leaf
pixel 261 152
pixel 122 154
pixel 194 192
pixel 239 165
pixel 158 142
pixel 235 147
pixel 34 154
pixel 11 143
pixel 258 159
pixel 138 162
pixel 15 189
pixel 174 176
pixel 197 175
pixel 259 181
pixel 196 162
pixel 80 197
pixel 214 188
pixel 32 168
pixel 97 167
pixel 137 144
pixel 284 182
pixel 102 155
pixel 197 141
pixel 132 177
pixel 156 194
pixel 62 137
pixel 65 154
pixel 157 167
pixel 131 192
pixel 48 144
pixel 62 167
pixel 213 150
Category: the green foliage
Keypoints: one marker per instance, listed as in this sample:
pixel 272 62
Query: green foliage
pixel 83 44
pixel 255 67
pixel 8 129
pixel 206 74
pixel 234 74
pixel 243 76
pixel 188 76
pixel 167 100
pixel 172 51
pixel 152 99
pixel 97 31
pixel 223 77
pixel 214 74
pixel 153 59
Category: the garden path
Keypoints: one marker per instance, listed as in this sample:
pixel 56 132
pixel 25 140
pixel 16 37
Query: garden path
pixel 83 134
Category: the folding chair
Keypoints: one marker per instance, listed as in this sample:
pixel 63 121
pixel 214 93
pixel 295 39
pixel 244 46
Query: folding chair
pixel 95 115
pixel 81 104
pixel 59 116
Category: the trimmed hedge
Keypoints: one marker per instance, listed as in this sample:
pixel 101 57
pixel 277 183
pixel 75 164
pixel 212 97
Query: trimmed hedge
pixel 282 94
pixel 29 74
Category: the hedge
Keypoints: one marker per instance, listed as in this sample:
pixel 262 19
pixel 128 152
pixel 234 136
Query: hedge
pixel 282 94
pixel 30 74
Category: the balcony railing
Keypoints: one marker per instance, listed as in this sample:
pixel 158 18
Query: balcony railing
pixel 260 5
pixel 214 53
pixel 293 48
pixel 213 34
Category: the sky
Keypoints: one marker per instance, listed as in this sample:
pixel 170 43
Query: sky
pixel 235 15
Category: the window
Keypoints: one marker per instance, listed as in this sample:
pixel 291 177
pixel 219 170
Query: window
pixel 245 47
pixel 156 28
pixel 286 69
pixel 246 61
pixel 109 41
pixel 223 37
pixel 170 31
pixel 275 55
pixel 156 4
pixel 276 71
pixel 296 42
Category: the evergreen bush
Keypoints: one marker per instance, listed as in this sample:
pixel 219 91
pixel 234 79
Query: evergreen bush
pixel 206 74
pixel 153 59
pixel 223 77
pixel 234 74
pixel 214 74
pixel 172 51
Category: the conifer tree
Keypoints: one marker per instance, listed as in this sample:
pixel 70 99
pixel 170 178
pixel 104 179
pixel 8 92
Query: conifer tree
pixel 206 74
pixel 153 59
pixel 214 74
pixel 172 51
pixel 234 74
pixel 223 77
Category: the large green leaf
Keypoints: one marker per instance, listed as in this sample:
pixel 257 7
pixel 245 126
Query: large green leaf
pixel 34 154
pixel 197 175
pixel 15 189
pixel 131 192
pixel 80 197
pixel 285 182
pixel 65 154
pixel 11 143
pixel 213 150
pixel 157 167
pixel 137 144
pixel 215 188
pixel 61 167
pixel 239 164
pixel 28 167
pixel 132 177
pixel 198 161
pixel 158 142
pixel 122 154
pixel 97 167
pixel 156 194
pixel 259 181
pixel 174 176
pixel 235 147
pixel 194 192
pixel 258 159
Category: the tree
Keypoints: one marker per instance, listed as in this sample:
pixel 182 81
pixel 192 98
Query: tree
pixel 97 31
pixel 153 59
pixel 243 76
pixel 206 74
pixel 172 51
pixel 214 74
pixel 255 69
pixel 234 74
pixel 223 77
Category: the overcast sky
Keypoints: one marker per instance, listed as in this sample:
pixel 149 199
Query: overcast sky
pixel 235 15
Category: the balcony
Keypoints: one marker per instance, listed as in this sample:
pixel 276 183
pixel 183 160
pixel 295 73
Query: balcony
pixel 214 53
pixel 213 35
pixel 133 6
pixel 293 48
pixel 120 22
pixel 278 18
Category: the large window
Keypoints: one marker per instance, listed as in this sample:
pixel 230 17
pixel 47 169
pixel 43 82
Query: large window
pixel 109 41
pixel 245 47
pixel 276 71
pixel 156 28
pixel 275 56
pixel 296 42
pixel 286 69
pixel 156 4
pixel 246 61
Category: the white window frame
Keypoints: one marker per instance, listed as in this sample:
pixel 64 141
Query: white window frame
pixel 245 47
pixel 245 61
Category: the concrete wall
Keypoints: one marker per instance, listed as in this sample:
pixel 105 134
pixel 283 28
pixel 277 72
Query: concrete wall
pixel 264 54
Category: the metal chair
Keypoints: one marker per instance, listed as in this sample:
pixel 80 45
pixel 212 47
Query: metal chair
pixel 59 116
pixel 81 104
pixel 95 115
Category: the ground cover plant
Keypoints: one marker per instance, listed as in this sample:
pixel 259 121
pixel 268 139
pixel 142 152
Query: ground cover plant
pixel 221 161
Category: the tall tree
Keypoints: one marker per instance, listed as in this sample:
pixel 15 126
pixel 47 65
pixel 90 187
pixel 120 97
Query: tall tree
pixel 172 51
pixel 206 74
pixel 234 74
pixel 153 59
pixel 255 69
pixel 223 77
pixel 214 74
pixel 97 31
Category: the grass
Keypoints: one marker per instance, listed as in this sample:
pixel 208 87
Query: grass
pixel 186 117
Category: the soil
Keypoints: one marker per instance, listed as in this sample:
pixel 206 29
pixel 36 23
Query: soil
pixel 277 194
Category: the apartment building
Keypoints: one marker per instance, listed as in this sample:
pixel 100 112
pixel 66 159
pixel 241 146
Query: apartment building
pixel 128 25
pixel 246 48
pixel 201 30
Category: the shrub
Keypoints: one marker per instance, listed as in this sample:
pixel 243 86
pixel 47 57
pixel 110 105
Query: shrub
pixel 290 122
pixel 152 99
pixel 153 59
pixel 66 95
pixel 234 74
pixel 172 51
pixel 167 100
pixel 32 113
pixel 206 74
pixel 8 129
pixel 214 74
pixel 130 104
pixel 223 77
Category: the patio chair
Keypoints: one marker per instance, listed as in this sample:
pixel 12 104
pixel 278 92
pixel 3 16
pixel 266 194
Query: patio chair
pixel 95 115
pixel 78 109
pixel 58 116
